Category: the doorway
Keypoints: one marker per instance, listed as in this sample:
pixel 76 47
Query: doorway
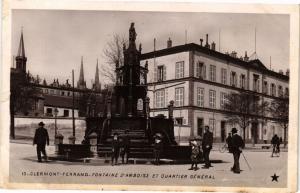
pixel 223 131
pixel 200 126
pixel 254 132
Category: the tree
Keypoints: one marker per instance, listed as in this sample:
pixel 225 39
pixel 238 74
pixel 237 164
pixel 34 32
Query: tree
pixel 113 54
pixel 244 108
pixel 22 96
pixel 279 109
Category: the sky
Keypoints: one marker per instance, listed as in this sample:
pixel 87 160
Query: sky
pixel 55 40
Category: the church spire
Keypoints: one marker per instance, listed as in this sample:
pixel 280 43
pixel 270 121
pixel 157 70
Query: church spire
pixel 21 57
pixel 97 85
pixel 81 84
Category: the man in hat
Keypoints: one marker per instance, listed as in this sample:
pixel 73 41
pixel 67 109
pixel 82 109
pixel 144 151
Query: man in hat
pixel 125 147
pixel 237 143
pixel 115 149
pixel 41 138
pixel 207 146
pixel 157 148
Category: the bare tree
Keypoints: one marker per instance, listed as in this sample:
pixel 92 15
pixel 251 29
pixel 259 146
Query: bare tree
pixel 113 54
pixel 279 109
pixel 244 108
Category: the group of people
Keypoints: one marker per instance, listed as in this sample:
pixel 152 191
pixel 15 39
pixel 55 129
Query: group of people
pixel 235 145
pixel 120 147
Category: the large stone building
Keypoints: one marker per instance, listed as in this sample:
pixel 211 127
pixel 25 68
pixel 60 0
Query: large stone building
pixel 198 78
pixel 54 95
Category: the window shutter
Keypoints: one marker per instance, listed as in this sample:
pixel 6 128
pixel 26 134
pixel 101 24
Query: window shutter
pixel 197 69
pixel 164 73
pixel 155 74
pixel 166 98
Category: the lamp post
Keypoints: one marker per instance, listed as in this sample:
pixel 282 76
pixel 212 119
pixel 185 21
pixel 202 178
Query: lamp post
pixel 55 116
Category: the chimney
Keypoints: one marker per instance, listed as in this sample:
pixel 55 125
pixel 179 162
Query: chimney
pixel 169 43
pixel 207 45
pixel 233 54
pixel 246 58
pixel 213 46
pixel 280 72
pixel 201 42
pixel 287 73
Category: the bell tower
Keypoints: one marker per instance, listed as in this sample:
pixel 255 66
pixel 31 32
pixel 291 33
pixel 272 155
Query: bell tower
pixel 21 58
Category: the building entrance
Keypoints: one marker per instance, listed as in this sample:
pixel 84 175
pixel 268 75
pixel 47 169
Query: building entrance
pixel 254 132
pixel 200 126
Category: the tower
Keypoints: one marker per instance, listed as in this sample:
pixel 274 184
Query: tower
pixel 97 85
pixel 130 88
pixel 21 57
pixel 81 84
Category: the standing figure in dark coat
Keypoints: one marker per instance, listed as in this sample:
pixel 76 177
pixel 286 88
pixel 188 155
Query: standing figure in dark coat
pixel 125 147
pixel 115 149
pixel 276 144
pixel 41 138
pixel 237 145
pixel 229 143
pixel 195 155
pixel 158 144
pixel 207 146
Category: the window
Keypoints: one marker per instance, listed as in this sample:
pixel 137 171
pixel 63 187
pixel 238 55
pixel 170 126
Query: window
pixel 62 93
pixel 212 73
pixel 179 69
pixel 66 113
pixel 223 76
pixel 233 79
pixel 265 87
pixel 179 96
pixel 223 98
pixel 242 81
pixel 201 70
pixel 280 91
pixel 200 97
pixel 49 112
pixel 273 89
pixel 286 91
pixel 212 99
pixel 179 121
pixel 255 82
pixel 160 98
pixel 161 73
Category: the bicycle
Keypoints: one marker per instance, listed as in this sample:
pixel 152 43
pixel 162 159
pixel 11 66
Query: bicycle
pixel 223 148
pixel 275 151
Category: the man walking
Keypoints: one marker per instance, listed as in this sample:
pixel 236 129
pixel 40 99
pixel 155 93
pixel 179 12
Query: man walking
pixel 126 147
pixel 41 138
pixel 237 145
pixel 276 145
pixel 207 146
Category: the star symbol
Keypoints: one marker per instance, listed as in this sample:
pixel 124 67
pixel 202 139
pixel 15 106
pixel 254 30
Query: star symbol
pixel 275 177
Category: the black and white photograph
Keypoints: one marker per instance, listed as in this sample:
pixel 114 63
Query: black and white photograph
pixel 150 98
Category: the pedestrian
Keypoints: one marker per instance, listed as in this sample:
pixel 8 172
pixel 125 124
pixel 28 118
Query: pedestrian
pixel 115 149
pixel 125 147
pixel 275 141
pixel 195 154
pixel 41 138
pixel 158 143
pixel 237 144
pixel 207 146
pixel 229 142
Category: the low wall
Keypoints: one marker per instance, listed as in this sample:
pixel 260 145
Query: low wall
pixel 26 126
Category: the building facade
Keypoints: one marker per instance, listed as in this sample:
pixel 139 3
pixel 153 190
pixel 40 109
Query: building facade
pixel 198 79
pixel 54 96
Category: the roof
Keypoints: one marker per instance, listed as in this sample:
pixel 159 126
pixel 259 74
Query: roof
pixel 252 64
pixel 59 101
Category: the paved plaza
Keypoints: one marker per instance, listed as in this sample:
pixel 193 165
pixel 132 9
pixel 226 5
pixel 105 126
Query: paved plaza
pixel 25 168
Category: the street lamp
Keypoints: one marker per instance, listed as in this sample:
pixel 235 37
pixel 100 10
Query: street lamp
pixel 55 116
